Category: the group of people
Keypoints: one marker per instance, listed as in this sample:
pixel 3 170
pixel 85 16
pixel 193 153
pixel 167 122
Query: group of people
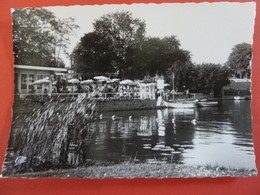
pixel 111 91
pixel 100 89
pixel 168 94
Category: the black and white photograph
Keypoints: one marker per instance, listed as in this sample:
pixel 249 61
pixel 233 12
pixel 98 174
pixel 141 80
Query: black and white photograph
pixel 132 91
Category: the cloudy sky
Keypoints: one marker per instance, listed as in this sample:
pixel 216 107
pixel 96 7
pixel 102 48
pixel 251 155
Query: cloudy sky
pixel 207 30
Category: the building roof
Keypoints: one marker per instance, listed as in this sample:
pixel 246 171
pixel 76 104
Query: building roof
pixel 29 67
pixel 239 84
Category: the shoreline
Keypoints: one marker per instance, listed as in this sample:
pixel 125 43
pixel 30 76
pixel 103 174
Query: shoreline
pixel 141 170
pixel 105 105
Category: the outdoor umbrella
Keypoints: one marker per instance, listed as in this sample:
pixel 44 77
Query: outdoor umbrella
pixel 133 83
pixel 101 78
pixel 41 81
pixel 87 82
pixel 126 82
pixel 115 80
pixel 73 81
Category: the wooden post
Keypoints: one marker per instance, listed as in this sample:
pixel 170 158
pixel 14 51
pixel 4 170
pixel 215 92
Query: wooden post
pixel 173 77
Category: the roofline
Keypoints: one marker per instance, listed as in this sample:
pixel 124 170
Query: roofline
pixel 29 67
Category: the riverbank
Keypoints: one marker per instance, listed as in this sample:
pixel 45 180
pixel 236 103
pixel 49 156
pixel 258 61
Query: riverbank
pixel 144 170
pixel 102 105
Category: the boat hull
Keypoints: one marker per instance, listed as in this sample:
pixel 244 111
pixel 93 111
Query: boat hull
pixel 239 98
pixel 207 104
pixel 187 104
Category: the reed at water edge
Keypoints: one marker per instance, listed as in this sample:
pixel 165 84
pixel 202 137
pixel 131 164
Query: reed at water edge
pixel 51 136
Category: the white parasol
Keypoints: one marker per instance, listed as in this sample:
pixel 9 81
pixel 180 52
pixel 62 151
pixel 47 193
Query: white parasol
pixel 115 80
pixel 101 78
pixel 73 81
pixel 126 82
pixel 87 82
pixel 42 81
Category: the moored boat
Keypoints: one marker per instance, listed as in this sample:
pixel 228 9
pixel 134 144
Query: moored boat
pixel 207 104
pixel 179 104
pixel 239 98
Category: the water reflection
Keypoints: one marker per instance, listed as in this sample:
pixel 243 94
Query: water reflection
pixel 221 136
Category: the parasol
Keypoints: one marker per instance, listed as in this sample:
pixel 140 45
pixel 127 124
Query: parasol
pixel 42 81
pixel 126 82
pixel 73 81
pixel 101 78
pixel 87 82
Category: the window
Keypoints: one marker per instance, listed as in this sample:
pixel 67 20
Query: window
pixel 39 77
pixel 30 81
pixel 24 81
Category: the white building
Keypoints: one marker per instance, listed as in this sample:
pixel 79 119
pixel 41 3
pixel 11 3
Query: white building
pixel 25 75
pixel 147 91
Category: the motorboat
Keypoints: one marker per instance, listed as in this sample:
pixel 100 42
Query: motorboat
pixel 179 104
pixel 207 104
pixel 239 98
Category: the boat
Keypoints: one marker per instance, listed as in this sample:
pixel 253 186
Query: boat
pixel 206 104
pixel 239 98
pixel 178 104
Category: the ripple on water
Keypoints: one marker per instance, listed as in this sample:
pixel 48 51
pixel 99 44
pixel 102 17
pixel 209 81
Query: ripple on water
pixel 153 132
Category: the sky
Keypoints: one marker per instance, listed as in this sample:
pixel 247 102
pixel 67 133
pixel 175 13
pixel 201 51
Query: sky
pixel 208 30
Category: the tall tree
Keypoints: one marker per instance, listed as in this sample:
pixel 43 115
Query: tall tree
pixel 93 55
pixel 118 44
pixel 239 59
pixel 156 55
pixel 210 78
pixel 39 36
pixel 124 32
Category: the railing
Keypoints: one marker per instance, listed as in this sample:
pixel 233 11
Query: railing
pixel 93 95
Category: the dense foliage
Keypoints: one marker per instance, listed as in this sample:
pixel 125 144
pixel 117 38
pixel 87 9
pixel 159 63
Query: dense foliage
pixel 210 78
pixel 239 60
pixel 39 36
pixel 118 45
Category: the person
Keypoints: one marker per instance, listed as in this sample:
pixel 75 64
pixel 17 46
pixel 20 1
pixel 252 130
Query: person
pixel 109 91
pixel 131 93
pixel 79 88
pixel 121 92
pixel 168 93
pixel 58 85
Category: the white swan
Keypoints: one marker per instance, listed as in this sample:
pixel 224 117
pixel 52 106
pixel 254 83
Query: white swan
pixel 113 117
pixel 194 121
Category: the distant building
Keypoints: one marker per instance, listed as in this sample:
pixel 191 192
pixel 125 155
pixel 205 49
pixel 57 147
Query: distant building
pixel 237 87
pixel 25 75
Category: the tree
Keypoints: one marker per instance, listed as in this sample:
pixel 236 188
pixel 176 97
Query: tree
pixel 124 33
pixel 239 60
pixel 157 56
pixel 180 69
pixel 210 78
pixel 38 36
pixel 118 44
pixel 93 55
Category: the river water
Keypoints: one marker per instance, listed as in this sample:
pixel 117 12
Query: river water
pixel 221 136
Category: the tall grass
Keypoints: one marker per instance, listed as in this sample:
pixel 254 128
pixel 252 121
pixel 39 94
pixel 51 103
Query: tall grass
pixel 52 135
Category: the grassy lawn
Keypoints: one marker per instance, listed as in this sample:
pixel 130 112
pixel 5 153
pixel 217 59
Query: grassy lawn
pixel 132 170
